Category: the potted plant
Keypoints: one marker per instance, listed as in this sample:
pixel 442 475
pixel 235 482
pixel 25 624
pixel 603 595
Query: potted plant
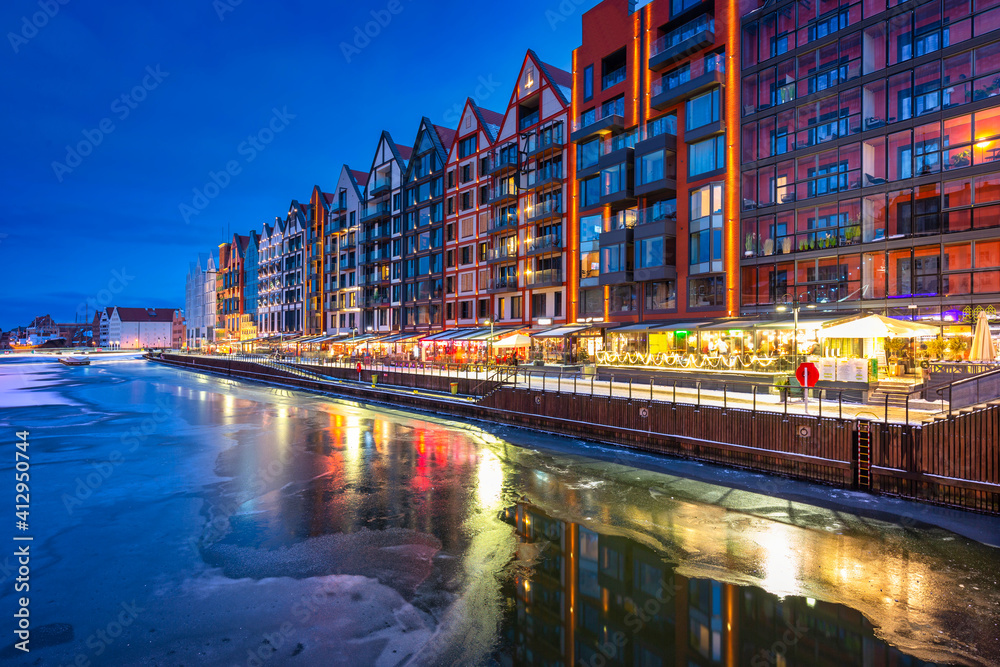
pixel 895 347
pixel 751 243
pixel 936 348
pixel 963 159
pixel 768 247
pixel 786 245
pixel 956 346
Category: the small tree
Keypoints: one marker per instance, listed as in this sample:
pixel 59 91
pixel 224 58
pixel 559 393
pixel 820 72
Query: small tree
pixel 936 347
pixel 956 346
pixel 895 346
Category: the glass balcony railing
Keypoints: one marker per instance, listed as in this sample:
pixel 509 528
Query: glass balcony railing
pixel 504 158
pixel 501 252
pixel 662 125
pixel 550 137
pixel 695 69
pixel 502 282
pixel 502 221
pixel 381 184
pixel 659 212
pixel 545 277
pixel 549 171
pixel 621 220
pixel 613 78
pixel 682 34
pixel 544 242
pixel 375 210
pixel 545 207
pixel 592 116
pixel 620 141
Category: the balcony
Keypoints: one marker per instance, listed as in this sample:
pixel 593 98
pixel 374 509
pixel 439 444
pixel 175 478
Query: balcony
pixel 506 192
pixel 682 42
pixel 549 175
pixel 661 217
pixel 613 78
pixel 349 243
pixel 545 278
pixel 602 120
pixel 691 80
pixel 376 233
pixel 373 301
pixel 549 208
pixel 546 243
pixel 504 159
pixel 545 140
pixel 381 186
pixel 501 253
pixel 502 284
pixel 375 211
pixel 502 222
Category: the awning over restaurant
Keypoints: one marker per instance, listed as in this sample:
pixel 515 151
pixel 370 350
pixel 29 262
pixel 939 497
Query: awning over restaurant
pixel 732 324
pixel 370 337
pixel 439 335
pixel 498 332
pixel 877 326
pixel 400 337
pixel 559 332
pixel 679 326
pixel 808 324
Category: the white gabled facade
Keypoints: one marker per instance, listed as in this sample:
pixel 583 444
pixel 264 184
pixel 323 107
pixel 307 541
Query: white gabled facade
pixel 199 302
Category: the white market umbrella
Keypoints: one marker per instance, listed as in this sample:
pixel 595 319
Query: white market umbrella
pixel 514 340
pixel 877 326
pixel 982 341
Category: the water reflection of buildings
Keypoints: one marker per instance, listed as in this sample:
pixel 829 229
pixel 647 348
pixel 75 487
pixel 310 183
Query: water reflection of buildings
pixel 592 599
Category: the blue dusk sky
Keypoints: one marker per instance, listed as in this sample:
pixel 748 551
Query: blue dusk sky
pixel 116 112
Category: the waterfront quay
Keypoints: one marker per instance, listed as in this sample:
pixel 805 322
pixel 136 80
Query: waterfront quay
pixel 950 459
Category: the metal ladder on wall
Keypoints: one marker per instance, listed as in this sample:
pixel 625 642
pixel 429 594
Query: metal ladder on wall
pixel 864 454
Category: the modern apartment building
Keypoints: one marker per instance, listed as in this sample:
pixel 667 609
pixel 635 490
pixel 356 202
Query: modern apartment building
pixel 293 268
pixel 269 292
pixel 381 243
pixel 342 295
pixel 230 283
pixel 251 270
pixel 869 157
pixel 655 215
pixel 423 229
pixel 528 194
pixel 467 216
pixel 199 302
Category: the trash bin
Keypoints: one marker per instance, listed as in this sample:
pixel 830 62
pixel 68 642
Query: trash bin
pixel 374 379
pixel 454 388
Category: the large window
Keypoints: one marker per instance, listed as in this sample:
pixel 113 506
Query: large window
pixel 707 292
pixel 661 295
pixel 467 146
pixel 590 192
pixel 705 247
pixel 649 252
pixel 614 259
pixel 588 83
pixel 622 297
pixel 702 110
pixel 588 154
pixel 590 228
pixel 707 156
pixel 650 167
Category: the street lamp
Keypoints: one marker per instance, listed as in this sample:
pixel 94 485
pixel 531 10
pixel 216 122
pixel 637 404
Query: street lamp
pixel 489 344
pixel 796 305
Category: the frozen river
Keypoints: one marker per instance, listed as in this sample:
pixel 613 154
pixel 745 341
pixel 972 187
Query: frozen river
pixel 183 519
